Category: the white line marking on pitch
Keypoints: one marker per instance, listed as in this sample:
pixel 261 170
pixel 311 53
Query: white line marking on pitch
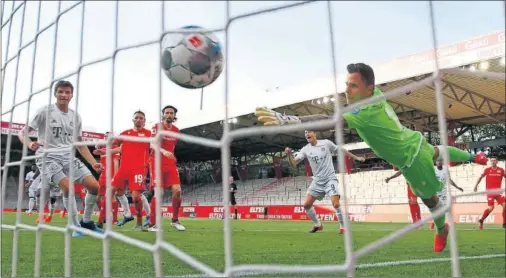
pixel 298 230
pixel 378 264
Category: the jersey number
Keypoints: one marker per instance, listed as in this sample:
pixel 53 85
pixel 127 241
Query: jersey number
pixel 138 178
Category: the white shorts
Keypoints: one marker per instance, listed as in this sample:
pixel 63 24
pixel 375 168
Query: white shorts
pixel 55 171
pixel 32 193
pixel 52 190
pixel 319 189
pixel 442 197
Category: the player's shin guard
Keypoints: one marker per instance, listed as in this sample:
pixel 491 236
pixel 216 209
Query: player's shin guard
pixel 176 204
pixel 312 215
pixel 440 221
pixel 89 203
pixel 152 216
pixel 485 215
pixel 339 214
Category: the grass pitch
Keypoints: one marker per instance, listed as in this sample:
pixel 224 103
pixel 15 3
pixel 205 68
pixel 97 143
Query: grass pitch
pixel 260 242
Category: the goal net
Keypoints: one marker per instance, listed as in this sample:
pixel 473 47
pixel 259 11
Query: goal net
pixel 30 75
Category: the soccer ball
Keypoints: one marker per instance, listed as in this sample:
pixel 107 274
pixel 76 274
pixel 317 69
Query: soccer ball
pixel 192 60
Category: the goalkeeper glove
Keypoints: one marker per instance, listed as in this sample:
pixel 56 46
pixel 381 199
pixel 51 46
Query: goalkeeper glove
pixel 270 117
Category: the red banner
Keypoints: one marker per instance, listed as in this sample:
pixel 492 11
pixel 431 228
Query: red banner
pixel 276 164
pixel 463 213
pixel 16 127
pixel 307 166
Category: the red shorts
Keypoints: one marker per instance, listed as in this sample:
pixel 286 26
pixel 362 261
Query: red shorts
pixel 102 183
pixel 79 191
pixel 169 176
pixel 410 192
pixel 135 178
pixel 498 198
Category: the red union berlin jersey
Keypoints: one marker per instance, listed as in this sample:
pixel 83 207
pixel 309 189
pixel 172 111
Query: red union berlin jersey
pixel 168 143
pixel 493 177
pixel 134 155
pixel 103 159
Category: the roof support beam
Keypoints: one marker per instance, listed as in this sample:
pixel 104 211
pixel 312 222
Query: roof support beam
pixel 410 120
pixel 460 100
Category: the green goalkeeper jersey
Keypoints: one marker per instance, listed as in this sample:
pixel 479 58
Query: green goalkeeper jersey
pixel 378 125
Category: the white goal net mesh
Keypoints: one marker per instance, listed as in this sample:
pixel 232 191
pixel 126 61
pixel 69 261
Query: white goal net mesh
pixel 15 43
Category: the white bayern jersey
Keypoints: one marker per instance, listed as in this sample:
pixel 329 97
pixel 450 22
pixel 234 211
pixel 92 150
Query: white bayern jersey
pixel 441 176
pixel 60 129
pixel 29 176
pixel 36 183
pixel 320 159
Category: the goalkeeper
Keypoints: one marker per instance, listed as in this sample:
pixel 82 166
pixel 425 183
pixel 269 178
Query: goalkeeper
pixel 377 124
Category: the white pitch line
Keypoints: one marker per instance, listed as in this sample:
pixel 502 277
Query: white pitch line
pixel 303 231
pixel 127 230
pixel 378 264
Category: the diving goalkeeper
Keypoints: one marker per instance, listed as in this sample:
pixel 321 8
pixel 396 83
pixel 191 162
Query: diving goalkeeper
pixel 377 124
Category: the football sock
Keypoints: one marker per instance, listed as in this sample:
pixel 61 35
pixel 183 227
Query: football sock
pixel 52 201
pixel 312 215
pixel 114 211
pixel 89 203
pixel 145 204
pixel 152 217
pixel 138 210
pixel 176 203
pixel 440 221
pixel 415 212
pixel 72 203
pixel 458 155
pixel 31 202
pixel 485 214
pixel 101 215
pixel 339 214
pixel 123 201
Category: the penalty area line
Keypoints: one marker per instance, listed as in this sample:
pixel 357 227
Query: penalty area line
pixel 378 264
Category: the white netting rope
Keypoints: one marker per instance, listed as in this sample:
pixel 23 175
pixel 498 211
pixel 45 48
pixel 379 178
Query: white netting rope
pixel 224 144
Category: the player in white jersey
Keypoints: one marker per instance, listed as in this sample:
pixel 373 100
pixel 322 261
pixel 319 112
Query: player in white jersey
pixel 319 154
pixel 57 122
pixel 441 176
pixel 51 191
pixel 32 194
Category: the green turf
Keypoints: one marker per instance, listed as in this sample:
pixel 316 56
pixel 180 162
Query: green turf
pixel 256 242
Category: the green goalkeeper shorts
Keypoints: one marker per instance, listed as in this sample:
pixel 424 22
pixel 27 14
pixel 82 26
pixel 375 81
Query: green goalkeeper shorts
pixel 421 175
